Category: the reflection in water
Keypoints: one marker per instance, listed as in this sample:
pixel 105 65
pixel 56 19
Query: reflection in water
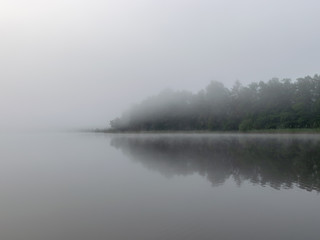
pixel 280 161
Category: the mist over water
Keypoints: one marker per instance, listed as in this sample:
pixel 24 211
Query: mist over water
pixel 158 186
pixel 79 64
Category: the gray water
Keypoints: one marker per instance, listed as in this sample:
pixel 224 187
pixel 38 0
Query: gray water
pixel 159 186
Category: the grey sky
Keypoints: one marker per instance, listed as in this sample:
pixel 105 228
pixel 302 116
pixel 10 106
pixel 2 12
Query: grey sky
pixel 81 63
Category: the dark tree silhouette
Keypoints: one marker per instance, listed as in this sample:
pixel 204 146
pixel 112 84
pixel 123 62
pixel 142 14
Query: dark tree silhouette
pixel 275 104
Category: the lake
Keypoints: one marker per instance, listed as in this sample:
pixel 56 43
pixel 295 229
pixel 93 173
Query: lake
pixel 85 186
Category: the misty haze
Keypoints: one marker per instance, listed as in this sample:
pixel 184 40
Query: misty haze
pixel 145 119
pixel 273 105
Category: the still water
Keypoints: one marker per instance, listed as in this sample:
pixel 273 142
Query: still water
pixel 159 186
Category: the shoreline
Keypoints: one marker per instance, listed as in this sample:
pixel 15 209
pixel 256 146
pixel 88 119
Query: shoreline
pixel 262 131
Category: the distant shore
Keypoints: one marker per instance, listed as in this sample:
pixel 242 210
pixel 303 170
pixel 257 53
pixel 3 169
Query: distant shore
pixel 272 106
pixel 286 130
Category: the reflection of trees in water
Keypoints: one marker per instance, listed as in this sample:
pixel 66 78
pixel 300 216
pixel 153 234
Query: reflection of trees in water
pixel 276 161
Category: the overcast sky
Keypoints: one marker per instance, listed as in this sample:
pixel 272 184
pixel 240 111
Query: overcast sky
pixel 81 63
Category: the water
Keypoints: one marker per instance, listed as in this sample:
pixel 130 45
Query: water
pixel 159 186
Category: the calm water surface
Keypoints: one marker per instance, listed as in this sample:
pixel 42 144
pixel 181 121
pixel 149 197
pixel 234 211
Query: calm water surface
pixel 159 186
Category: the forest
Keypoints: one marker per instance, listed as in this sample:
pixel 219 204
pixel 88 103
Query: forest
pixel 275 104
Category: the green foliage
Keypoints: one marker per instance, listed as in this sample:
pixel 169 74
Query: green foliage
pixel 276 104
pixel 246 125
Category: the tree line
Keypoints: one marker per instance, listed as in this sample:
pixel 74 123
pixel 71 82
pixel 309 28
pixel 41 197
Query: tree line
pixel 276 104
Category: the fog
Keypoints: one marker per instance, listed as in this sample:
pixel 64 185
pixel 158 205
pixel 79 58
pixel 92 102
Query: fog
pixel 74 64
